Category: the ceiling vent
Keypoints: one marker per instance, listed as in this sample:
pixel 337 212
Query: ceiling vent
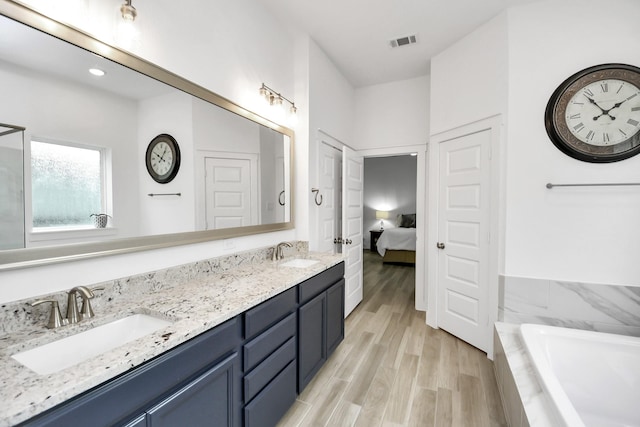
pixel 403 41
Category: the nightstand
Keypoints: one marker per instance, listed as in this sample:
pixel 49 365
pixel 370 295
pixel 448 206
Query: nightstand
pixel 375 235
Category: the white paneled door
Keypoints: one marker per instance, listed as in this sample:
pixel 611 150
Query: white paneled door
pixel 463 237
pixel 329 198
pixel 352 183
pixel 231 194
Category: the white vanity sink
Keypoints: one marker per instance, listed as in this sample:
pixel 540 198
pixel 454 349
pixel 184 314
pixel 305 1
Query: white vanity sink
pixel 61 354
pixel 299 263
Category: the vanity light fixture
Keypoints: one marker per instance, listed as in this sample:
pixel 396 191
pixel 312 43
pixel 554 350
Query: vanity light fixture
pixel 129 12
pixel 275 98
pixel 97 72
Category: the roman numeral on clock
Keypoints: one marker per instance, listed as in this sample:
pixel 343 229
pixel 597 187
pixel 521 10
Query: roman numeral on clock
pixel 590 135
pixel 633 122
pixel 580 126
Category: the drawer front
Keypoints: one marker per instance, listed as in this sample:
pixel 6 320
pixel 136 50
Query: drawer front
pixel 312 287
pixel 270 405
pixel 257 379
pixel 265 344
pixel 269 312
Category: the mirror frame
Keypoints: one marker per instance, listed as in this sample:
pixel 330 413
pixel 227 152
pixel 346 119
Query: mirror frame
pixel 31 257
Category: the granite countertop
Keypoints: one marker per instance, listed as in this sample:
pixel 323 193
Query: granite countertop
pixel 193 305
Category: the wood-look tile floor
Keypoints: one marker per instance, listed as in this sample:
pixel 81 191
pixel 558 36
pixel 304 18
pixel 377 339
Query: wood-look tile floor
pixel 394 370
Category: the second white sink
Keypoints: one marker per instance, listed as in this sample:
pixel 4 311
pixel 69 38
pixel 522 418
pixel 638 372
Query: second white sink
pixel 300 263
pixel 61 354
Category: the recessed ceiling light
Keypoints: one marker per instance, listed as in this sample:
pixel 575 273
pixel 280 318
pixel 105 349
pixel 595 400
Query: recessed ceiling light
pixel 414 154
pixel 97 72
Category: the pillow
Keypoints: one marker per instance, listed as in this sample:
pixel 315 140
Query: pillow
pixel 408 221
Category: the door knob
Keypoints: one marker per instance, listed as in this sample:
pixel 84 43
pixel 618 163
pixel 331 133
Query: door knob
pixel 337 240
pixel 348 241
pixel 440 245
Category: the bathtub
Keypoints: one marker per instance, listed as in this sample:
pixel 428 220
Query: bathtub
pixel 592 378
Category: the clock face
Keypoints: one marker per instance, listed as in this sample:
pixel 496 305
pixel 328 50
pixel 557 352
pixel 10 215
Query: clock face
pixel 594 115
pixel 163 158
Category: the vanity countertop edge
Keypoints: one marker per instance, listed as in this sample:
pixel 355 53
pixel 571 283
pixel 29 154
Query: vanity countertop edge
pixel 194 306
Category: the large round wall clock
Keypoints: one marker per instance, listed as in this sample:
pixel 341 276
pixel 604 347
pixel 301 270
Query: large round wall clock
pixel 163 158
pixel 594 115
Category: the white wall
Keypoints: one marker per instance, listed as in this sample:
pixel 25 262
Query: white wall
pixel 227 46
pixel 171 114
pixel 392 114
pixel 469 79
pixel 510 66
pixel 389 185
pixel 584 235
pixel 331 110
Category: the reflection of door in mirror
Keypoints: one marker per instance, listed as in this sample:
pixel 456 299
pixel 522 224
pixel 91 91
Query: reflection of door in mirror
pixel 231 196
pixel 11 195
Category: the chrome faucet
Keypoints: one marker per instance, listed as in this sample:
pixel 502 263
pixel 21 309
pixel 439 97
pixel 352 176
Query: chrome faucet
pixel 73 316
pixel 55 318
pixel 278 252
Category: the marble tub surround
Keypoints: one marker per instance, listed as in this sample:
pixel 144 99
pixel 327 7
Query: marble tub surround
pixel 590 306
pixel 199 298
pixel 524 401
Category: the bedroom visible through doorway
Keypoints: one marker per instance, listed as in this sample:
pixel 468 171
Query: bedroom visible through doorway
pixel 390 209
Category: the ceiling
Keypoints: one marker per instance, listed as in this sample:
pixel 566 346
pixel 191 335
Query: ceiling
pixel 355 34
pixel 24 47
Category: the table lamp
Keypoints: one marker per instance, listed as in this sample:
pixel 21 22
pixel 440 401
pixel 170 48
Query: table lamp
pixel 382 215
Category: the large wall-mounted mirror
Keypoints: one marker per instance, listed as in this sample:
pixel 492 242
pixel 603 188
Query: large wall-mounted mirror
pixel 74 180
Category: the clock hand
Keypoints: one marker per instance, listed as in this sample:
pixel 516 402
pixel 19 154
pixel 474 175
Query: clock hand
pixel 606 112
pixel 596 104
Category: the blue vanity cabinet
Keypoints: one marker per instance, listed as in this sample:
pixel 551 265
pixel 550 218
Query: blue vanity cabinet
pixel 206 401
pixel 247 371
pixel 202 375
pixel 320 321
pixel 269 357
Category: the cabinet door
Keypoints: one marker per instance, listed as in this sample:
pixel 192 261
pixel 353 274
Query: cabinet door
pixel 311 339
pixel 270 405
pixel 335 316
pixel 209 400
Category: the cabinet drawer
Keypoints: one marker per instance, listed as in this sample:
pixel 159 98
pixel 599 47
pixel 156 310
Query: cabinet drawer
pixel 270 405
pixel 312 287
pixel 261 347
pixel 267 370
pixel 269 312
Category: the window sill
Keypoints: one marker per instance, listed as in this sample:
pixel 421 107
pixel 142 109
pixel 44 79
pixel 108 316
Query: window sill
pixel 64 233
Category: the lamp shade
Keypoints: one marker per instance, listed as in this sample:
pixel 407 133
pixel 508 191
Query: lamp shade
pixel 382 214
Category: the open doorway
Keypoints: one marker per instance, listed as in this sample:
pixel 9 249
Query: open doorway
pixel 389 217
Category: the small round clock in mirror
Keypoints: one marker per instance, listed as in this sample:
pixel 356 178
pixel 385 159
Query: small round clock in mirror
pixel 594 115
pixel 163 158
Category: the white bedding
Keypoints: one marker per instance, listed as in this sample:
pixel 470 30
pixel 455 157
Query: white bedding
pixel 398 239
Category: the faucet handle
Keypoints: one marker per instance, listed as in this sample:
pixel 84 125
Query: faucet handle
pixel 86 311
pixel 55 318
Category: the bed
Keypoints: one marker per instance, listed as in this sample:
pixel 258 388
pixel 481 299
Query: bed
pixel 398 244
